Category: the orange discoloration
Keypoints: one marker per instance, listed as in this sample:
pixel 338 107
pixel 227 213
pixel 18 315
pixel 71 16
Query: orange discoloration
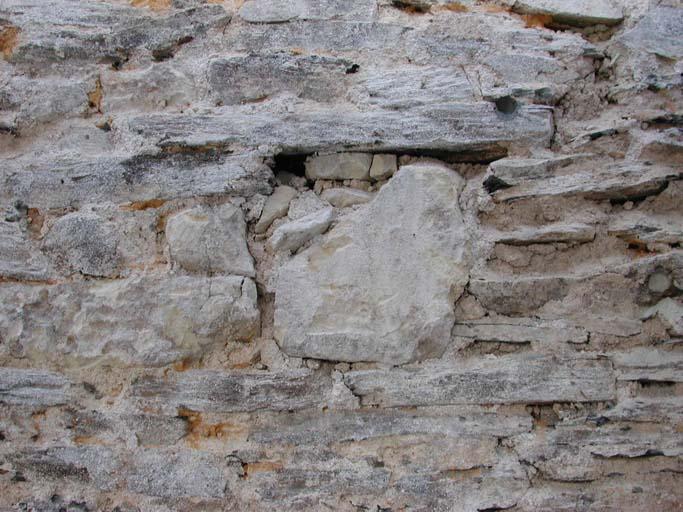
pixel 184 365
pixel 155 5
pixel 537 20
pixel 81 440
pixel 197 429
pixel 35 221
pixel 493 8
pixel 260 467
pixel 95 97
pixel 161 222
pixel 454 7
pixel 462 474
pixel 9 37
pixel 143 205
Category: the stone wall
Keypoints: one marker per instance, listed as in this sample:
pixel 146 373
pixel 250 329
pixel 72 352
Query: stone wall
pixel 354 255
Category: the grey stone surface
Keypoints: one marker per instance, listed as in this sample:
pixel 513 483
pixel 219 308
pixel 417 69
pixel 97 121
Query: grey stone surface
pixel 620 182
pixel 648 228
pixel 210 239
pixel 476 127
pixel 148 320
pixel 65 182
pixel 85 243
pixel 339 166
pixel 346 426
pixel 379 317
pixel 383 166
pixel 657 32
pixel 552 233
pixel 345 197
pixel 20 257
pixel 185 473
pixel 218 391
pixel 494 326
pixel 276 206
pixel 521 330
pixel 291 236
pixel 643 364
pixel 20 386
pixel 526 379
pixel 573 12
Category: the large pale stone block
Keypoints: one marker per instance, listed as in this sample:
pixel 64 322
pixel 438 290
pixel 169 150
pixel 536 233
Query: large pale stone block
pixel 206 239
pixel 381 285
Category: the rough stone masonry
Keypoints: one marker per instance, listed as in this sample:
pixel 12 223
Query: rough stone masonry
pixel 354 255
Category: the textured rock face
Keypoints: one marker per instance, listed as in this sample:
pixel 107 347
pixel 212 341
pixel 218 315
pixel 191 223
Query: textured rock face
pixel 415 255
pixel 210 240
pixel 398 264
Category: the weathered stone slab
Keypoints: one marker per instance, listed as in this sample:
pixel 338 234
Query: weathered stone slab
pixel 551 233
pixel 621 290
pixel 643 409
pixel 670 313
pixel 210 239
pixel 573 12
pixel 410 86
pixel 236 80
pixel 496 380
pixel 300 481
pixel 518 295
pixel 345 197
pixel 354 426
pixel 34 388
pixel 649 364
pixel 291 236
pixel 97 466
pixel 618 182
pixel 20 258
pixel 156 430
pixel 400 261
pixel 269 11
pixel 521 330
pixel 339 166
pixel 176 474
pixel 485 488
pixel 642 227
pixel 383 166
pixel 276 206
pixel 72 182
pixel 450 127
pixel 149 319
pixel 85 243
pixel 590 449
pixel 220 391
pixel 37 101
pixel 514 171
pixel 657 32
pixel 72 31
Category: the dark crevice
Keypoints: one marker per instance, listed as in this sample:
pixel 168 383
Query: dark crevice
pixel 291 163
pixel 506 105
pixel 411 7
pixel 647 383
pixel 493 184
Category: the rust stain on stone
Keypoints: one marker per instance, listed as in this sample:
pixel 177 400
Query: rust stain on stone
pixel 95 97
pixel 454 7
pixel 155 5
pixel 198 429
pixel 537 20
pixel 143 205
pixel 9 37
